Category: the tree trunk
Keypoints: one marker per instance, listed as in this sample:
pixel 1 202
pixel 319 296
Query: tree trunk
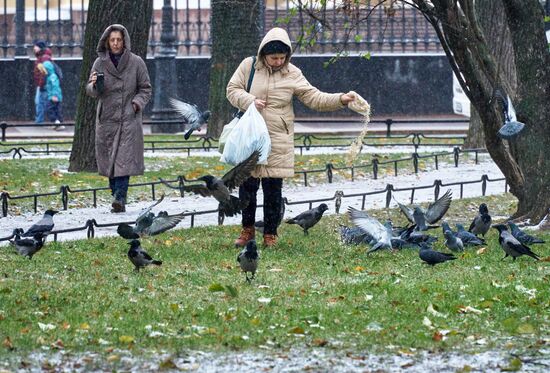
pixel 236 30
pixel 136 17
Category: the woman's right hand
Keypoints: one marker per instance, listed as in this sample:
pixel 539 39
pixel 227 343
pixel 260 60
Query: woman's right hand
pixel 260 104
pixel 93 78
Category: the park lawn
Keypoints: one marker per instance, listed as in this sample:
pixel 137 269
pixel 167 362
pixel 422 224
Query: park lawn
pixel 310 291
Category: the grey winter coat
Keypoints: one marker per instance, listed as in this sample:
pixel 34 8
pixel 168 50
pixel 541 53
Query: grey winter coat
pixel 119 133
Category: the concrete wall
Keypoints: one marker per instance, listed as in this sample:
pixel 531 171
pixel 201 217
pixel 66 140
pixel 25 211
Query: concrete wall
pixel 395 85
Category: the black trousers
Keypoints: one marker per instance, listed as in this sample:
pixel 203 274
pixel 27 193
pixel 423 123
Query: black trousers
pixel 272 188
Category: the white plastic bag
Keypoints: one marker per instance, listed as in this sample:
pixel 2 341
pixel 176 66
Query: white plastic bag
pixel 249 134
pixel 225 133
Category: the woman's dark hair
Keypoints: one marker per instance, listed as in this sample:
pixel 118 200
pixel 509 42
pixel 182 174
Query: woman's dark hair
pixel 274 47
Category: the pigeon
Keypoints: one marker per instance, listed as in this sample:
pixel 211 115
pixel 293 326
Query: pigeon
pixel 452 242
pixel 139 257
pixel 511 127
pixel 445 227
pixel 248 259
pixel 382 234
pixel 433 257
pixel 259 225
pixel 511 246
pixel 28 246
pixel 523 237
pixel 44 226
pixel 482 221
pixel 412 236
pixel 147 224
pixel 355 236
pixel 193 116
pixel 433 214
pixel 468 239
pixel 309 218
pixel 220 188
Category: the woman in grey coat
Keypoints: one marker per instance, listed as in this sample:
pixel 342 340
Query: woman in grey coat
pixel 123 90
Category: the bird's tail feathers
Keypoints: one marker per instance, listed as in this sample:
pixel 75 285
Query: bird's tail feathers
pixel 157 262
pixel 291 221
pixel 233 207
pixel 188 134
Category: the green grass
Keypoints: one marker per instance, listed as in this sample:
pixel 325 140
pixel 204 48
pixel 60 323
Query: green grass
pixel 310 291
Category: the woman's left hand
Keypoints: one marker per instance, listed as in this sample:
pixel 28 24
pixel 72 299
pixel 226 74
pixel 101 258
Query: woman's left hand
pixel 346 98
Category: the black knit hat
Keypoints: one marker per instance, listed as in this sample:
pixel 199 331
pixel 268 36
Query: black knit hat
pixel 275 46
pixel 40 44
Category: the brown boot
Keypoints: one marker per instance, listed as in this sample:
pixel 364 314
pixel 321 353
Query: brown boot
pixel 118 205
pixel 247 234
pixel 270 240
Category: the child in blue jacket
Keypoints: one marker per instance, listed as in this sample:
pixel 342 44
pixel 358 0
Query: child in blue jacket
pixel 55 96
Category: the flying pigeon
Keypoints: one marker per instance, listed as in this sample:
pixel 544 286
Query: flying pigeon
pixel 44 226
pixel 482 221
pixel 511 246
pixel 433 214
pixel 139 257
pixel 382 234
pixel 220 189
pixel 309 218
pixel 147 224
pixel 193 116
pixel 248 259
pixel 523 237
pixel 511 127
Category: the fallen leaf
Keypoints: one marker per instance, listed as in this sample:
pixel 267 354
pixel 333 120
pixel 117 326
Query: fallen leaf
pixel 7 343
pixel 216 287
pixel 526 328
pixel 514 365
pixel 437 336
pixel 481 251
pixel 126 339
pixel 297 330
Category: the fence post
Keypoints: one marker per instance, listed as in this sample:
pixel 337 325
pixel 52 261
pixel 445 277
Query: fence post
pixel 91 230
pixel 64 196
pixel 456 152
pixel 180 185
pixel 4 196
pixel 3 126
pixel 389 188
pixel 338 200
pixel 483 184
pixel 20 28
pixel 389 122
pixel 375 168
pixel 437 185
pixel 415 162
pixel 329 172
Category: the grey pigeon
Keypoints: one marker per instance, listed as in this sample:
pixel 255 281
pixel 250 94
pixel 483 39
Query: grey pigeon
pixel 193 116
pixel 139 257
pixel 433 257
pixel 354 236
pixel 511 127
pixel 248 259
pixel 433 214
pixel 452 242
pixel 412 236
pixel 511 246
pixel 309 218
pixel 445 227
pixel 28 246
pixel 482 221
pixel 147 224
pixel 43 227
pixel 221 189
pixel 259 225
pixel 468 239
pixel 523 237
pixel 382 234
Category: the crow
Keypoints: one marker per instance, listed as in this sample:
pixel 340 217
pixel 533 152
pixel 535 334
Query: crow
pixel 511 246
pixel 452 242
pixel 220 188
pixel 511 127
pixel 523 237
pixel 468 239
pixel 43 227
pixel 248 259
pixel 433 214
pixel 147 224
pixel 382 234
pixel 433 257
pixel 193 116
pixel 28 246
pixel 482 221
pixel 309 218
pixel 139 257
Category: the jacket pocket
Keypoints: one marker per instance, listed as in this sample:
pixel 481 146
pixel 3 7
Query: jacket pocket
pixel 285 125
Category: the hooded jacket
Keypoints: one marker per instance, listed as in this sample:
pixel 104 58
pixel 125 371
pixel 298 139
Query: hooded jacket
pixel 53 85
pixel 119 132
pixel 277 87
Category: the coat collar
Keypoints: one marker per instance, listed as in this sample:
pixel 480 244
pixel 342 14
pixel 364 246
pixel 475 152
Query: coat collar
pixel 110 67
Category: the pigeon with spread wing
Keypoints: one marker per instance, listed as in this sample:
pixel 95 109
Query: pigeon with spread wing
pixel 221 189
pixel 381 233
pixel 193 116
pixel 147 224
pixel 432 215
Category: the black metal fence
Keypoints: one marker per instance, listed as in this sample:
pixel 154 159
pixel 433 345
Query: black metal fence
pixel 65 190
pixel 91 224
pixel 399 28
